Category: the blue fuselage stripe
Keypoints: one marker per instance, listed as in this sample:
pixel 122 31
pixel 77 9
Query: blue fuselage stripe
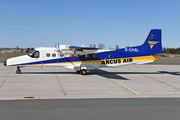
pixel 119 53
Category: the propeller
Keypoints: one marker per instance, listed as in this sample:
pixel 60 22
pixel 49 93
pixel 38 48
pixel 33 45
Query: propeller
pixel 57 48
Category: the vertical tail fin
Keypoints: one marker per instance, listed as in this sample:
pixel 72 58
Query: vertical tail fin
pixel 152 45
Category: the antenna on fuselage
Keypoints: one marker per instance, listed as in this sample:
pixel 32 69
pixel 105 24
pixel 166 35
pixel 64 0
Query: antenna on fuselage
pixel 58 41
pixel 55 42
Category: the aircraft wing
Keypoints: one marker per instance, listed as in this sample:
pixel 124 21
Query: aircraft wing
pixel 83 50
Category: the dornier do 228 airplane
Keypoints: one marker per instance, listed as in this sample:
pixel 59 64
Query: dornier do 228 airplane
pixel 83 59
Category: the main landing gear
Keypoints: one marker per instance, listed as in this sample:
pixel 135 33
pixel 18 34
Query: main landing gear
pixel 18 71
pixel 82 72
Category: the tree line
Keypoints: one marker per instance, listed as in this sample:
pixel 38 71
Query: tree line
pixel 164 50
pixel 171 50
pixel 102 46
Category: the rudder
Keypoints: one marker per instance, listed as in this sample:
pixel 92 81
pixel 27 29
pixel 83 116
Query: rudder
pixel 152 44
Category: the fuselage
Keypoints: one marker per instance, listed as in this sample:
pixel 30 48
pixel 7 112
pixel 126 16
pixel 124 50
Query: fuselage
pixel 102 58
pixel 86 58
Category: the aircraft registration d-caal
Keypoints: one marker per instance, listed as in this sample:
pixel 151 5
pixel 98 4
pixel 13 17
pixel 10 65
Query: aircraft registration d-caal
pixel 83 59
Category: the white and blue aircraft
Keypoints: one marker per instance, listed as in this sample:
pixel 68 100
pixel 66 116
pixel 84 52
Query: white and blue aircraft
pixel 83 59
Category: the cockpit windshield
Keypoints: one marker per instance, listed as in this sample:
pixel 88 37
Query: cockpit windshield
pixel 31 53
pixel 34 54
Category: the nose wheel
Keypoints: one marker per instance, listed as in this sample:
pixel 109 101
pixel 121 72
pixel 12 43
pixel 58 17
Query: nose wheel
pixel 18 71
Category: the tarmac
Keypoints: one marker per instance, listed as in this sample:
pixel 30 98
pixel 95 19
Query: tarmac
pixel 91 109
pixel 134 92
pixel 133 81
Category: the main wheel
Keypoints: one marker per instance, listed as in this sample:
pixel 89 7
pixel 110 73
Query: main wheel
pixel 83 72
pixel 18 71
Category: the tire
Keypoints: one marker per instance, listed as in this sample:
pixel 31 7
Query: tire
pixel 83 72
pixel 18 71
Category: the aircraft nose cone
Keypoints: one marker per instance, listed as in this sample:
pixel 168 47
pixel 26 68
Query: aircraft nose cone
pixel 5 63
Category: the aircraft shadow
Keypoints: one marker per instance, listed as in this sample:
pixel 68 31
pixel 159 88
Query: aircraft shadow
pixel 158 72
pixel 98 72
pixel 106 74
pixel 115 75
pixel 171 73
pixel 48 73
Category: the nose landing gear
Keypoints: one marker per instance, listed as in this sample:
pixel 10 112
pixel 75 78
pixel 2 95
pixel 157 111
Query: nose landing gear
pixel 18 71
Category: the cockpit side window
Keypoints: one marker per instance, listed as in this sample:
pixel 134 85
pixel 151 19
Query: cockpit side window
pixel 34 54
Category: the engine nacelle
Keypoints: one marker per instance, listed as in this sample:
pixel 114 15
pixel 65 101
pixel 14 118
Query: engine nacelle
pixel 65 50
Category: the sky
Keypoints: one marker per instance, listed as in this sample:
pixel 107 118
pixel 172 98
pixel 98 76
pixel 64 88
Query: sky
pixel 38 23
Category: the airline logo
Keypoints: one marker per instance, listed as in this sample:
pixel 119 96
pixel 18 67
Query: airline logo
pixel 152 43
pixel 116 61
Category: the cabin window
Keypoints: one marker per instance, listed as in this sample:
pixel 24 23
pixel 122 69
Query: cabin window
pixel 110 56
pixel 87 55
pixel 54 55
pixel 61 55
pixel 48 55
pixel 34 54
pixel 94 56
